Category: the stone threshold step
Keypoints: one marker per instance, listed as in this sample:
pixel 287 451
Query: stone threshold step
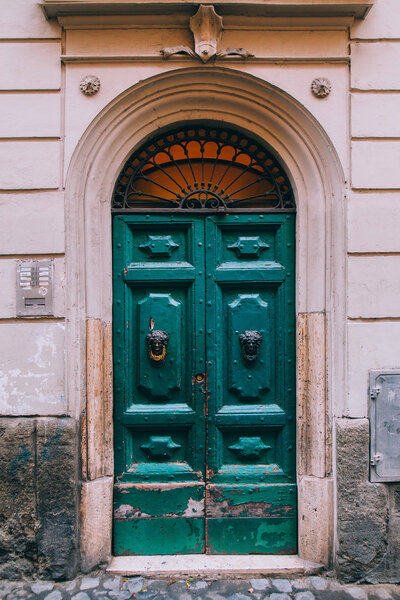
pixel 216 566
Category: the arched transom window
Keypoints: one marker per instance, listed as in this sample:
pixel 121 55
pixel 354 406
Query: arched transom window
pixel 202 168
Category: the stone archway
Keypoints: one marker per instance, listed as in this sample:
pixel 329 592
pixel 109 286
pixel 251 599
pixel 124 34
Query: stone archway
pixel 253 105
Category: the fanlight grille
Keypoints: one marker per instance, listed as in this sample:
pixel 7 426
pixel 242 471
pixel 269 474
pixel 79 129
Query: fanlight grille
pixel 202 168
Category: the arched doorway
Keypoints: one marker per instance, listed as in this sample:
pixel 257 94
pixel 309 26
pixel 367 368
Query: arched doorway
pixel 308 155
pixel 204 347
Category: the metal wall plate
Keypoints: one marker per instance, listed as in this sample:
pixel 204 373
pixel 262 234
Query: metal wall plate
pixel 35 288
pixel 384 415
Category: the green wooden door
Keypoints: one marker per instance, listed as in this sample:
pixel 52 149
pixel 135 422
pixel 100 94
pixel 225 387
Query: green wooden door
pixel 204 364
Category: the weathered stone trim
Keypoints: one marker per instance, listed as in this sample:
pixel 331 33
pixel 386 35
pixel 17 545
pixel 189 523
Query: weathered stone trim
pixel 97 424
pixel 313 450
pixel 311 394
pixel 96 522
pixel 316 519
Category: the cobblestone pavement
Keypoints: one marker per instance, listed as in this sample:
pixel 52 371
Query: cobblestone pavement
pixel 100 586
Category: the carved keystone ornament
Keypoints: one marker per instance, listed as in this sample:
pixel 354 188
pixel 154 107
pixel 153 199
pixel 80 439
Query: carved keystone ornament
pixel 206 27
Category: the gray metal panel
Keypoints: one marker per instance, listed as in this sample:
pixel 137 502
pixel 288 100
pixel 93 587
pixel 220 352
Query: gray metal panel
pixel 384 414
pixel 35 288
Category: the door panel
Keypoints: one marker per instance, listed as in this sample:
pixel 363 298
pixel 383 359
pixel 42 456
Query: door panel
pixel 160 423
pixel 251 385
pixel 249 380
pixel 205 429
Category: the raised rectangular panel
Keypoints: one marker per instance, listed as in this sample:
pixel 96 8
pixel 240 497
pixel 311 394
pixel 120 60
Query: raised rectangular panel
pixel 288 44
pixel 150 42
pixel 23 230
pixel 120 42
pixel 371 345
pixel 173 536
pixel 375 165
pixel 30 66
pixel 383 21
pixel 243 534
pixel 160 317
pixel 375 66
pixel 25 19
pixel 159 243
pixel 30 115
pixel 372 222
pixel 32 368
pixel 373 115
pixel 249 356
pixel 159 446
pixel 374 286
pixel 135 502
pixel 260 501
pixel 29 165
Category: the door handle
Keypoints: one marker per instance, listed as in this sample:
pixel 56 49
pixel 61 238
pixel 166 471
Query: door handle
pixel 157 342
pixel 250 342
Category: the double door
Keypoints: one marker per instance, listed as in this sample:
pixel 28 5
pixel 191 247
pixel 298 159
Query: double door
pixel 204 384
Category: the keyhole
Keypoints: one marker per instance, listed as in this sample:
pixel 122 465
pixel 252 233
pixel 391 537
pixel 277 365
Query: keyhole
pixel 151 323
pixel 199 377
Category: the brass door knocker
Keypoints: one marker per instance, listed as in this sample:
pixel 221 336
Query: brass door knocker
pixel 157 342
pixel 250 342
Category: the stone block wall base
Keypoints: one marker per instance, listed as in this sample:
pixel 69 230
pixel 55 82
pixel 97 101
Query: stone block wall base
pixel 38 499
pixel 366 550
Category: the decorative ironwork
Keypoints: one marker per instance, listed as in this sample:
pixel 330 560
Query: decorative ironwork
pixel 202 168
pixel 250 342
pixel 157 342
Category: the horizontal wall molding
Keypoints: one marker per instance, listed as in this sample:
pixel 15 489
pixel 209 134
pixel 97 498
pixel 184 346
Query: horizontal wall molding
pixel 182 59
pixel 284 8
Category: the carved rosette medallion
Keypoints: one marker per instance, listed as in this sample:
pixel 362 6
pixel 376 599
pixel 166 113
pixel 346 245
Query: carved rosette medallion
pixel 321 87
pixel 90 85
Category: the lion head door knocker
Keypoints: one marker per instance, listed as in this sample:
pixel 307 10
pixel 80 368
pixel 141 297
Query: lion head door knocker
pixel 157 342
pixel 250 342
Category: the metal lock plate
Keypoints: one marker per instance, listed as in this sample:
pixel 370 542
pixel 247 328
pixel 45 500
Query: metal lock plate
pixel 35 288
pixel 384 414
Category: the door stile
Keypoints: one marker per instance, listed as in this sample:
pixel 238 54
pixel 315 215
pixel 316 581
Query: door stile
pixel 119 341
